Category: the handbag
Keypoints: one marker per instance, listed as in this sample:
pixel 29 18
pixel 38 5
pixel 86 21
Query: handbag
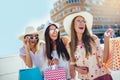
pixel 104 77
pixel 30 74
pixel 114 54
pixel 55 74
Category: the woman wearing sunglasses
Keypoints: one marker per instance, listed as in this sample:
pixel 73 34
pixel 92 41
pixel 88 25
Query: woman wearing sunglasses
pixel 32 51
pixel 56 51
pixel 87 57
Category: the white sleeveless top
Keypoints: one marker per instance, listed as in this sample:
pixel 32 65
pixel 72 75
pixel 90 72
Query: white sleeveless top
pixel 62 63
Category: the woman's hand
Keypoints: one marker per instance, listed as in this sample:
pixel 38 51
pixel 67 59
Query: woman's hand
pixel 55 61
pixel 26 43
pixel 109 33
pixel 82 69
pixel 50 62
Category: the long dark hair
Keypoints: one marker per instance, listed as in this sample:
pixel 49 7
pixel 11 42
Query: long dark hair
pixel 86 38
pixel 61 49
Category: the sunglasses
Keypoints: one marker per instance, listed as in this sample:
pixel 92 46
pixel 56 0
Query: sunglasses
pixel 34 37
pixel 54 30
pixel 80 21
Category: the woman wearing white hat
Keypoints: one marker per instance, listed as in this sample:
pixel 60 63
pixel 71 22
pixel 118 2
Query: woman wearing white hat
pixel 56 51
pixel 86 54
pixel 32 51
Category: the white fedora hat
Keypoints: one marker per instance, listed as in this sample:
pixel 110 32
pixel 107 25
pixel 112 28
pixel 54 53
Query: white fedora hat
pixel 28 30
pixel 68 20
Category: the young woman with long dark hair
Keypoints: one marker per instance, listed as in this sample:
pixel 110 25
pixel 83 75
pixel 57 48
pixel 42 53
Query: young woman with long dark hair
pixel 56 50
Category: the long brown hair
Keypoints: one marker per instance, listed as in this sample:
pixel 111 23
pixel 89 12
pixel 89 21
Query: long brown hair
pixel 60 47
pixel 86 38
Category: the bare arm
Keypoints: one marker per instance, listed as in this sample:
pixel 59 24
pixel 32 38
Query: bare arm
pixel 72 67
pixel 65 40
pixel 66 43
pixel 27 58
pixel 107 36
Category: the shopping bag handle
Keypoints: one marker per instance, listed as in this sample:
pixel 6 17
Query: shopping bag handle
pixel 52 67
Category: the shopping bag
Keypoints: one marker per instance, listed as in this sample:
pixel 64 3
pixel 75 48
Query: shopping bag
pixel 114 54
pixel 55 74
pixel 30 74
pixel 104 77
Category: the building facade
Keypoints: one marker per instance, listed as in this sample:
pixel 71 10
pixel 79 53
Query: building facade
pixel 106 13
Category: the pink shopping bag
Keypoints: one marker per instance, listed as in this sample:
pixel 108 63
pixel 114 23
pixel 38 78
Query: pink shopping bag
pixel 55 74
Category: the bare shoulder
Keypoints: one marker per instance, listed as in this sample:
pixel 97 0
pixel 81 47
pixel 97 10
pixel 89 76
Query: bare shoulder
pixel 42 42
pixel 65 39
pixel 94 37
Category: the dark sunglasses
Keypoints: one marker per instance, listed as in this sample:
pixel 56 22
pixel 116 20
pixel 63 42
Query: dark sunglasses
pixel 80 21
pixel 33 37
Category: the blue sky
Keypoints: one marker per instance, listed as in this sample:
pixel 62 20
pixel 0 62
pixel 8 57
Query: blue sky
pixel 15 15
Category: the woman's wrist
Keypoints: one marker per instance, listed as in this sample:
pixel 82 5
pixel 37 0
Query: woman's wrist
pixel 72 63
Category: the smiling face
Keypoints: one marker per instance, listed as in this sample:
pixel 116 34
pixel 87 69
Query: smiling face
pixel 53 32
pixel 79 24
pixel 33 39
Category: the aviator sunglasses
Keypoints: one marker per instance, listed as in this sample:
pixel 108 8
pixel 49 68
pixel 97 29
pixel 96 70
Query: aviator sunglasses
pixel 54 30
pixel 80 21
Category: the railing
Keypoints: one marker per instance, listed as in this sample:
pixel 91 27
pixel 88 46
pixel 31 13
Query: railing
pixel 9 67
pixel 102 30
